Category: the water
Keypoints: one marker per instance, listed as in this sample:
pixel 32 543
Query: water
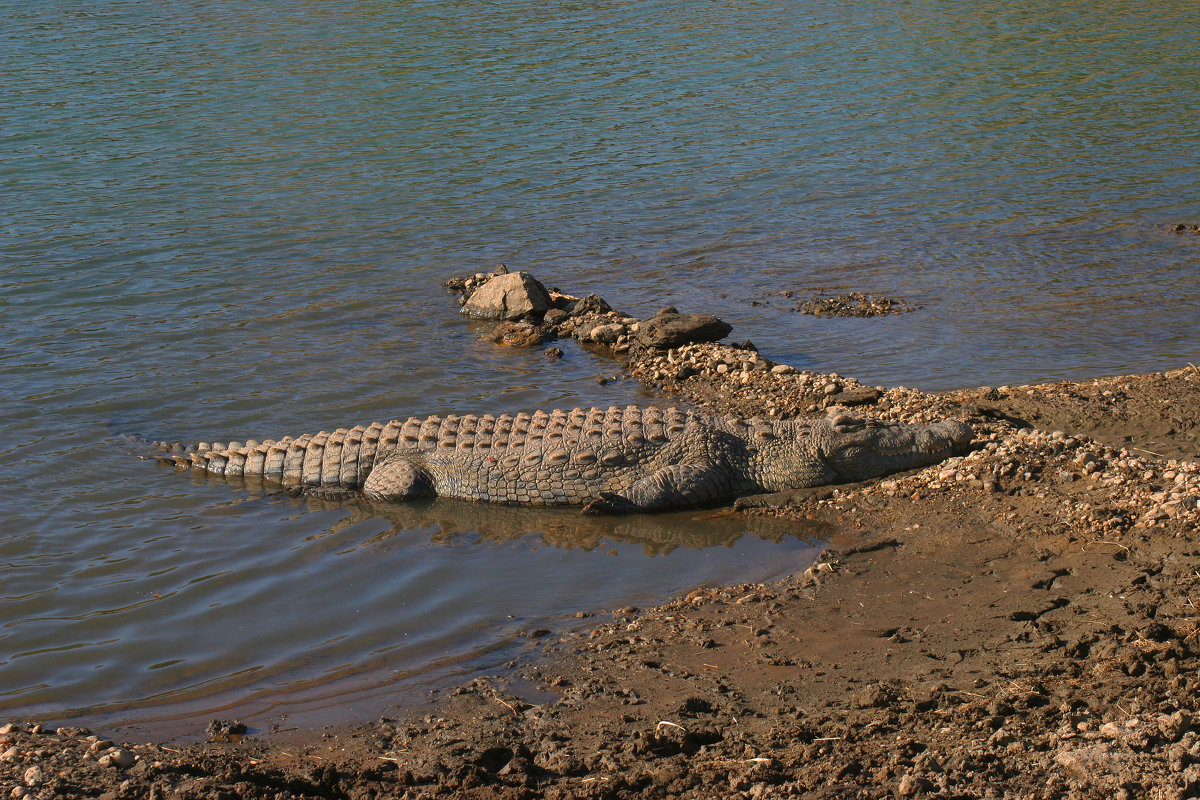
pixel 232 220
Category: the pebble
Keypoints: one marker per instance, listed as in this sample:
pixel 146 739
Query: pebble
pixel 33 776
pixel 118 757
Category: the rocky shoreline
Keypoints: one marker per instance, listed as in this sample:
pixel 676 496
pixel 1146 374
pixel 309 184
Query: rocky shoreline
pixel 1018 621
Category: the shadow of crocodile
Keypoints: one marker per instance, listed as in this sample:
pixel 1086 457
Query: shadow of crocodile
pixel 455 521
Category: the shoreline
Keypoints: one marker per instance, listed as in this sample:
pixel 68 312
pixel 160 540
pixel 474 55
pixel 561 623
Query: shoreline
pixel 1016 620
pixel 1035 636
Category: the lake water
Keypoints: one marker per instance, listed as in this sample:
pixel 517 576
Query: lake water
pixel 231 220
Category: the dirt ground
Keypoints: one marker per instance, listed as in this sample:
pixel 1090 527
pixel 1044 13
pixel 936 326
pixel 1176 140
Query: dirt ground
pixel 1017 622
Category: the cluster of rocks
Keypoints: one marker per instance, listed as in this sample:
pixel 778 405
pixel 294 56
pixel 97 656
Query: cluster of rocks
pixel 1182 228
pixel 530 314
pixel 32 758
pixel 738 380
pixel 854 304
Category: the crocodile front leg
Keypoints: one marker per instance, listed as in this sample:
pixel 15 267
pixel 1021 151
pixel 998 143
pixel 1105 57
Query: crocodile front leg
pixel 671 487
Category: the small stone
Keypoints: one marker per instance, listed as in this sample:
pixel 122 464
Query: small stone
pixel 33 776
pixel 10 754
pixel 908 786
pixel 607 334
pixel 8 728
pixel 832 388
pixel 37 730
pixel 100 746
pixel 118 757
pixel 783 369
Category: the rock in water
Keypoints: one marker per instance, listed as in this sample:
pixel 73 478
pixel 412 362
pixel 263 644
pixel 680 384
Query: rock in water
pixel 592 304
pixel 672 330
pixel 518 334
pixel 510 297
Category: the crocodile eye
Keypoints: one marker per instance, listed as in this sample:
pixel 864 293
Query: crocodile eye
pixel 844 422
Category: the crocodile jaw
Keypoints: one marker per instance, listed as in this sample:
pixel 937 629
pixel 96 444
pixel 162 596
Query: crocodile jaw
pixel 857 450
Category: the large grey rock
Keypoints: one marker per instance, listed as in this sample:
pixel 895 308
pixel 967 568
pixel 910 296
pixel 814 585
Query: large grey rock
pixel 672 330
pixel 511 297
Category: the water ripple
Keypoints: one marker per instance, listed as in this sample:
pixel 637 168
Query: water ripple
pixel 226 220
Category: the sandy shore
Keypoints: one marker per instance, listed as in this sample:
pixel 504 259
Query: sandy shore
pixel 1017 622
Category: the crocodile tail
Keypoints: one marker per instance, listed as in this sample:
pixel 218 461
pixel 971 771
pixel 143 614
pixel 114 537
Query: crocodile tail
pixel 340 460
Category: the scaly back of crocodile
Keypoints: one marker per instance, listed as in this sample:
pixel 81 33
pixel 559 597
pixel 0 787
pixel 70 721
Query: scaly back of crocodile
pixel 610 460
pixel 544 458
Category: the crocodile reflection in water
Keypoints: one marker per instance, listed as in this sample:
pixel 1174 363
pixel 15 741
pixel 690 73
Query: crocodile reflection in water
pixel 658 534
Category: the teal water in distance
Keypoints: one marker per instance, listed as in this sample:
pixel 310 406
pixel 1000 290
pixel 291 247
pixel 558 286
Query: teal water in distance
pixel 232 220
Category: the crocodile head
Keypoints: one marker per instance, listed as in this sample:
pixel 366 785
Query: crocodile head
pixel 858 449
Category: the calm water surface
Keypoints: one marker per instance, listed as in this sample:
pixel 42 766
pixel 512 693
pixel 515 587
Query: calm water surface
pixel 231 220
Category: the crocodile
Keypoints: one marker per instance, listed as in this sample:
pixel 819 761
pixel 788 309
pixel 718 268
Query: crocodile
pixel 614 460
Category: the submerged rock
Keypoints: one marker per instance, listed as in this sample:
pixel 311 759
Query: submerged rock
pixel 518 334
pixel 855 304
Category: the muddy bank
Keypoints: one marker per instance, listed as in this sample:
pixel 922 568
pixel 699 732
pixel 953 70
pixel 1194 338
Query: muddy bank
pixel 1018 621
